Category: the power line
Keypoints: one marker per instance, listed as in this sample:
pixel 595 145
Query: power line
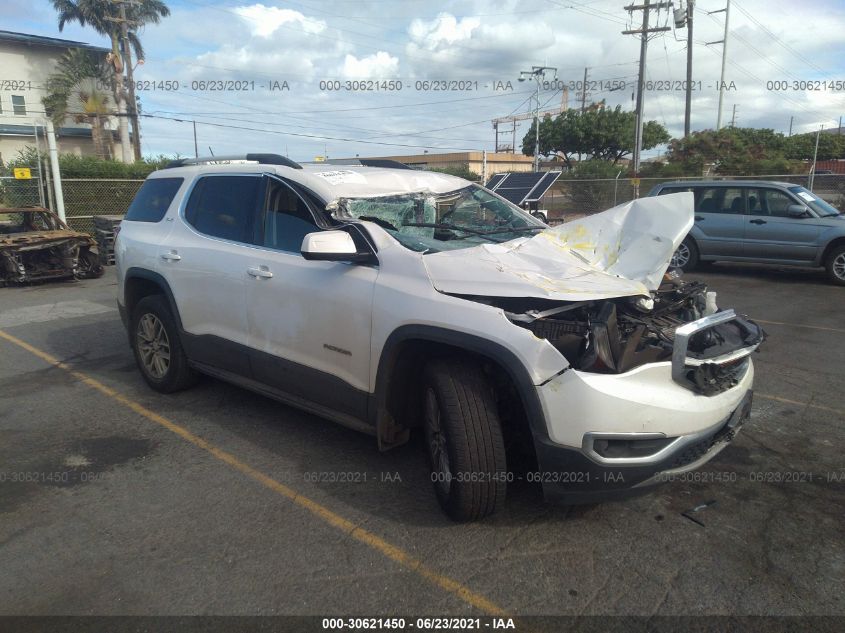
pixel 780 42
pixel 386 107
pixel 311 136
pixel 644 33
pixel 591 11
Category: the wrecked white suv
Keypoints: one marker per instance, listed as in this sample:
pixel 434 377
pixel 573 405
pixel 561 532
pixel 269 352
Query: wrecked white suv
pixel 389 299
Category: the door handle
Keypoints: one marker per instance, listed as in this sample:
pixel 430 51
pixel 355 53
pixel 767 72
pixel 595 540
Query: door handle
pixel 757 221
pixel 262 272
pixel 699 218
pixel 172 256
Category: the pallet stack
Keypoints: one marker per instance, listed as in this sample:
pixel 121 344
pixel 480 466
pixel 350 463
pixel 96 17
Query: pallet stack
pixel 104 226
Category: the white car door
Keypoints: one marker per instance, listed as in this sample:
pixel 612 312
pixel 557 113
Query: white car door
pixel 309 321
pixel 205 260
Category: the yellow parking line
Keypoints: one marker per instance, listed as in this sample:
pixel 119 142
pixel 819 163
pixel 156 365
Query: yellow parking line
pixel 394 553
pixel 809 327
pixel 820 407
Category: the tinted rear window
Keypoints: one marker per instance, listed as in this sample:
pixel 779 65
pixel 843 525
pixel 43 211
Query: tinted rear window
pixel 153 199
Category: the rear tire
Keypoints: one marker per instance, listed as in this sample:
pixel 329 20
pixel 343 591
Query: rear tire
pixel 464 440
pixel 158 351
pixel 835 265
pixel 686 256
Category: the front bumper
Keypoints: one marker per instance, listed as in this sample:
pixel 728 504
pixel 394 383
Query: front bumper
pixel 568 475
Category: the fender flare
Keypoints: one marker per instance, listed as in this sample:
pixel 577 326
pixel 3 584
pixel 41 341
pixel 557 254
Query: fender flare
pixel 142 273
pixel 494 351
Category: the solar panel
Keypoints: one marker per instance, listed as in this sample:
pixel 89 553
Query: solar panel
pixel 495 180
pixel 542 186
pixel 522 187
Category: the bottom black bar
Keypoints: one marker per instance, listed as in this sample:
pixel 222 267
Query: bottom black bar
pixel 356 624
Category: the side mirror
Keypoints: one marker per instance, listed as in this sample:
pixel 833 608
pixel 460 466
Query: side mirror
pixel 332 246
pixel 796 210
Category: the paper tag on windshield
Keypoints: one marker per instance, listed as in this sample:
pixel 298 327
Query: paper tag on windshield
pixel 806 196
pixel 341 176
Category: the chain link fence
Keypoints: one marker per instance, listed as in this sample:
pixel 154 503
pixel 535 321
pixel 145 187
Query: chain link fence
pixel 87 197
pixel 20 192
pixel 567 199
pixel 572 198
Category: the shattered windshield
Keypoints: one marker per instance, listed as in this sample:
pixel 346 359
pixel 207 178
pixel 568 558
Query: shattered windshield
pixel 428 222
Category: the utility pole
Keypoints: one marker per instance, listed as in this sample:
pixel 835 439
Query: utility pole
pixel 538 73
pixel 724 43
pixel 733 117
pixel 815 155
pixel 196 151
pixel 790 125
pixel 684 16
pixel 54 167
pixel 496 129
pixel 584 91
pixel 644 32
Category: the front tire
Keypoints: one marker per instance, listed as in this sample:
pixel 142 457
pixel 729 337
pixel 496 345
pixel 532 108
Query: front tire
pixel 89 266
pixel 686 256
pixel 158 350
pixel 463 436
pixel 835 265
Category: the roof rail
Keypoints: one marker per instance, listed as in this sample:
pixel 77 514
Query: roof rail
pixel 368 162
pixel 263 159
pixel 383 162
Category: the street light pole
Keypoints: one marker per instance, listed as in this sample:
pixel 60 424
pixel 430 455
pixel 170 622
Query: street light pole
pixel 538 73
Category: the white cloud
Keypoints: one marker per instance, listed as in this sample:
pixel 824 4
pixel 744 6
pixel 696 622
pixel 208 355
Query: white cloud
pixel 479 40
pixel 443 30
pixel 266 20
pixel 378 66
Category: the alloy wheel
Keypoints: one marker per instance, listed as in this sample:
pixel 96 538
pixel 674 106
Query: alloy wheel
pixel 839 266
pixel 153 345
pixel 680 257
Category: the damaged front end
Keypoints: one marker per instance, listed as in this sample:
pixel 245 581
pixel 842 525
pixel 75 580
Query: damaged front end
pixel 679 322
pixel 35 245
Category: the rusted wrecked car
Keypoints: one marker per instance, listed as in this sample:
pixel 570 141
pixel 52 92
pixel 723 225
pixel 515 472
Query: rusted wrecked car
pixel 36 245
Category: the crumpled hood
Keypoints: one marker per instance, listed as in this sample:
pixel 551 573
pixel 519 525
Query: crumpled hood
pixel 623 251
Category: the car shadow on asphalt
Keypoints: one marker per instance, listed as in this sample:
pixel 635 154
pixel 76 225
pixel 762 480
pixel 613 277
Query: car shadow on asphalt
pixel 768 272
pixel 343 464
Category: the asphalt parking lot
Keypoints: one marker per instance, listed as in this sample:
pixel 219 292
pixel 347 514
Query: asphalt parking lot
pixel 118 500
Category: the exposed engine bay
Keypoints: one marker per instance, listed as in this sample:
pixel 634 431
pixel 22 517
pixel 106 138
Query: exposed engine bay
pixel 620 334
pixel 36 245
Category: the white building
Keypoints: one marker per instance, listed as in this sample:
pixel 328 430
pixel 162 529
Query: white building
pixel 27 62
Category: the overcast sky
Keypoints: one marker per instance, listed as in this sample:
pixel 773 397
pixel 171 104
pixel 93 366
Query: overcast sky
pixel 481 43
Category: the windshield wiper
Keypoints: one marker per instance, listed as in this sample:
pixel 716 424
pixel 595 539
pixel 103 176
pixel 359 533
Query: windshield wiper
pixel 517 229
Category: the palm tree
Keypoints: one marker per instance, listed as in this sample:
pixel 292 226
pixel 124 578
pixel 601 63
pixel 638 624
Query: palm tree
pixel 76 91
pixel 108 17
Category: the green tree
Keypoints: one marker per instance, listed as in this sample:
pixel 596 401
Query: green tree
pixel 105 17
pixel 601 133
pixel 76 91
pixel 734 151
pixel 803 146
